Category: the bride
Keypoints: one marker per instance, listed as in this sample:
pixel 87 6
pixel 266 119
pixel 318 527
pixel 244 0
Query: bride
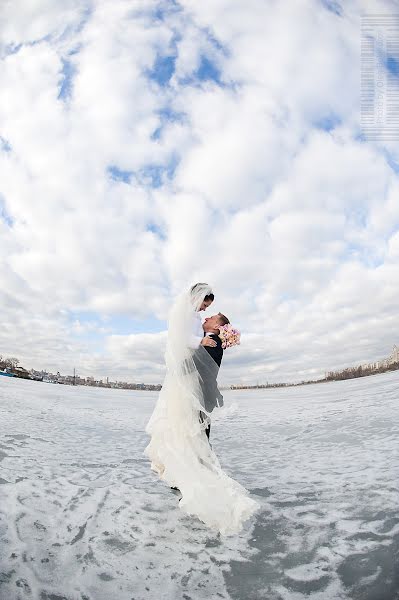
pixel 179 450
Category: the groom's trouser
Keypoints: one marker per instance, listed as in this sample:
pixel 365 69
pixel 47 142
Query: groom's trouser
pixel 202 418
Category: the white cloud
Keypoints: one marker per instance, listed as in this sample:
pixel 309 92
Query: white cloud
pixel 117 192
pixel 28 22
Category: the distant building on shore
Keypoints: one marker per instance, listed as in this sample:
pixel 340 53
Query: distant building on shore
pixel 385 362
pixel 21 372
pixel 88 381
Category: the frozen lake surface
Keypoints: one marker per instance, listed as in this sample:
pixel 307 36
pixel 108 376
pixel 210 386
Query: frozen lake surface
pixel 82 517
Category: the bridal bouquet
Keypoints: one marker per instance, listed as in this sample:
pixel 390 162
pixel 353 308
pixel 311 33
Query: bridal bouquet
pixel 229 336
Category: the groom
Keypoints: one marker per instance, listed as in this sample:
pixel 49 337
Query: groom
pixel 213 345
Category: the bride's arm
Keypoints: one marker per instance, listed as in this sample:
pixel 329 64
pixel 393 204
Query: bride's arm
pixel 196 335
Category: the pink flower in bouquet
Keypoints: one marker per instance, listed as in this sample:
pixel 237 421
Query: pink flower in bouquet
pixel 229 336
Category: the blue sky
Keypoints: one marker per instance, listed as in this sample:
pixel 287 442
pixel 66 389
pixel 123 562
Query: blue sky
pixel 147 146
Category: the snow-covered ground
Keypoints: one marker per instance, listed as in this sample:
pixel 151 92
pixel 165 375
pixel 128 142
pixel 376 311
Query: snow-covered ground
pixel 83 517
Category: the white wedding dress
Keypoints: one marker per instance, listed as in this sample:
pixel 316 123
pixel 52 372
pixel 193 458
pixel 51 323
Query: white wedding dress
pixel 179 450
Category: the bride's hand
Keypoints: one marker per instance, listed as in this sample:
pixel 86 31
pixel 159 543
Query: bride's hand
pixel 207 341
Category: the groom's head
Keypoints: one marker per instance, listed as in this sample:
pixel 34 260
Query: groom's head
pixel 212 324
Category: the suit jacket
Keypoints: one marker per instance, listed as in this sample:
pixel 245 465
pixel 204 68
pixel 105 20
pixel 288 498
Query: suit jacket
pixel 210 391
pixel 217 351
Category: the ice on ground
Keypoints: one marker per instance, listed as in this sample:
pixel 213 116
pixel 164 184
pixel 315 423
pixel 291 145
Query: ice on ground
pixel 82 517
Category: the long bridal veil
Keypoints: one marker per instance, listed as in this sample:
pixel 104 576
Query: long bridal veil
pixel 179 450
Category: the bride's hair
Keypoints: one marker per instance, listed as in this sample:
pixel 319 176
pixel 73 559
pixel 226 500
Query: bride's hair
pixel 197 287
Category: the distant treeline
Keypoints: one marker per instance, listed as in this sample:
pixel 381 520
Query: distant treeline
pixel 360 371
pixel 262 386
pixel 348 373
pixel 8 363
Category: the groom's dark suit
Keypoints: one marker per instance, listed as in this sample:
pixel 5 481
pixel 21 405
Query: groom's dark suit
pixel 212 396
pixel 215 351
